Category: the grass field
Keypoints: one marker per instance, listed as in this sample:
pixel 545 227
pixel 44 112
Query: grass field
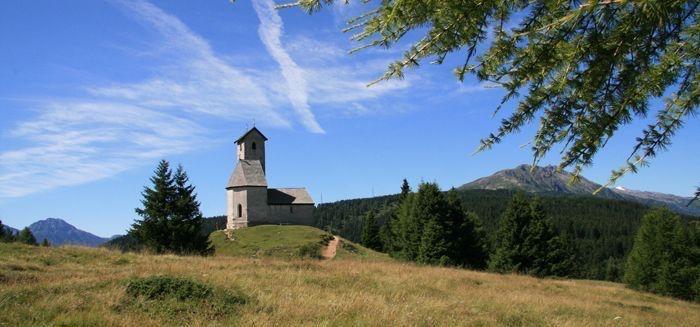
pixel 83 286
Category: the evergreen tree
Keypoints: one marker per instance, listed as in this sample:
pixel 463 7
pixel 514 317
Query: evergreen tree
pixel 171 220
pixel 25 236
pixel 45 243
pixel 405 189
pixel 433 228
pixel 153 230
pixel 406 230
pixel 434 247
pixel 665 257
pixel 370 232
pixel 186 222
pixel 3 232
pixel 527 243
pixel 467 237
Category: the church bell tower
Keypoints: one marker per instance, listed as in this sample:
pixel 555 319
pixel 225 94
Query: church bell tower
pixel 251 146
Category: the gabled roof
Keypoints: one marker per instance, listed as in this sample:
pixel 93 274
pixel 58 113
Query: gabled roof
pixel 288 196
pixel 254 129
pixel 247 173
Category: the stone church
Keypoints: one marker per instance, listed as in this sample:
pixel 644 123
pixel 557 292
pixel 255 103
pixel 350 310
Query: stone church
pixel 250 201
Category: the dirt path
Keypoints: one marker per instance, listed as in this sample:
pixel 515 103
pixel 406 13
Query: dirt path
pixel 330 250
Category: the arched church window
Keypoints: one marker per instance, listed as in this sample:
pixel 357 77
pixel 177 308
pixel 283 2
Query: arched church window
pixel 240 211
pixel 253 145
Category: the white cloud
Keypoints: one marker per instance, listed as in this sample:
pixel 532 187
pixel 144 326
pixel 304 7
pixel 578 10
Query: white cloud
pixel 270 32
pixel 118 126
pixel 74 143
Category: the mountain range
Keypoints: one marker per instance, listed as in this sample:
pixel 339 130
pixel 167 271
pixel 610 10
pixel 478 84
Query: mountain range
pixel 59 232
pixel 547 180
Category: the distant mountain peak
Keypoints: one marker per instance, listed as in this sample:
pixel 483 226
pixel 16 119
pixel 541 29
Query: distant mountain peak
pixel 549 180
pixel 59 232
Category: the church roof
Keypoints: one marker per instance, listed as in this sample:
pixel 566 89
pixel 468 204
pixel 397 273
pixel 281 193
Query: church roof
pixel 254 129
pixel 247 173
pixel 288 196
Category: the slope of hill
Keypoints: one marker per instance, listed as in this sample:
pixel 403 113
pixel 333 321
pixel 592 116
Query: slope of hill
pixel 10 229
pixel 546 180
pixel 81 286
pixel 59 232
pixel 291 241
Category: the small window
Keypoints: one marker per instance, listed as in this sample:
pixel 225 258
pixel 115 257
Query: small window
pixel 254 146
pixel 240 211
pixel 291 209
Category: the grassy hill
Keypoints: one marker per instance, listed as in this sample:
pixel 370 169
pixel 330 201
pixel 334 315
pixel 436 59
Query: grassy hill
pixel 86 286
pixel 286 242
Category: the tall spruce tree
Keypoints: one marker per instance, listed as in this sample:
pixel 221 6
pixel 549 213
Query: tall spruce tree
pixel 527 243
pixel 187 219
pixel 467 238
pixel 406 230
pixel 433 228
pixel 370 232
pixel 664 258
pixel 25 236
pixel 153 230
pixel 405 189
pixel 171 219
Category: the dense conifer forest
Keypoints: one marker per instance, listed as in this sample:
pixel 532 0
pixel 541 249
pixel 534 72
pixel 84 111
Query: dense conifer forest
pixel 601 230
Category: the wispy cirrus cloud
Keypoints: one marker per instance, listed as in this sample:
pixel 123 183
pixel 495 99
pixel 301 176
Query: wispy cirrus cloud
pixel 270 31
pixel 112 127
pixel 74 143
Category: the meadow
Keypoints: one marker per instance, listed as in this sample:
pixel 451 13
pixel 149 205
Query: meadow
pixel 86 286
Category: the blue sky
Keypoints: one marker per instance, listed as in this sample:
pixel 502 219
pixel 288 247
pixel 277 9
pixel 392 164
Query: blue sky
pixel 94 93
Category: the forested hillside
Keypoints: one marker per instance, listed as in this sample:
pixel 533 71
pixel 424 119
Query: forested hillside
pixel 601 229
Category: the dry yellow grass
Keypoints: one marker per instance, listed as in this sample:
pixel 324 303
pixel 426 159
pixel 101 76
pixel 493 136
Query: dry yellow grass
pixel 80 286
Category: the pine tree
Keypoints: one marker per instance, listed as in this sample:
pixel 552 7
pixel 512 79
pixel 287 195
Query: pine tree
pixel 186 223
pixel 405 189
pixel 406 230
pixel 171 220
pixel 466 237
pixel 434 246
pixel 433 228
pixel 152 231
pixel 370 232
pixel 508 256
pixel 527 243
pixel 664 258
pixel 25 236
pixel 45 243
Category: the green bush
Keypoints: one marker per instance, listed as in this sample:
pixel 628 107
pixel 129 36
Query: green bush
pixel 310 250
pixel 177 299
pixel 160 287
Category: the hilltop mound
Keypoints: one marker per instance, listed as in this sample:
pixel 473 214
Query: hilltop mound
pixel 84 286
pixel 289 241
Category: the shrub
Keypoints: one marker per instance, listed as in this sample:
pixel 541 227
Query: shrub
pixel 310 250
pixel 177 299
pixel 160 287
